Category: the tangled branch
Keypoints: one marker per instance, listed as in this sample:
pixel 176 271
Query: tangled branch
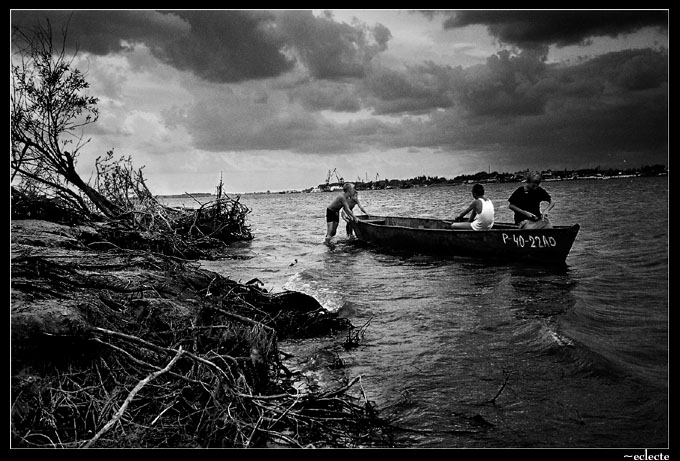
pixel 203 401
pixel 100 357
pixel 145 222
pixel 129 398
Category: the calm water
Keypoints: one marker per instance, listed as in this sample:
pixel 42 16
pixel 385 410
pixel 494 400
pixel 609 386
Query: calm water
pixel 584 349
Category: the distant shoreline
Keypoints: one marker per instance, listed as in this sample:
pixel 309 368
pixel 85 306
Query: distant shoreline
pixel 440 182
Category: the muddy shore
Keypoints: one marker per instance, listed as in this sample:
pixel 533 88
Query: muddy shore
pixel 113 347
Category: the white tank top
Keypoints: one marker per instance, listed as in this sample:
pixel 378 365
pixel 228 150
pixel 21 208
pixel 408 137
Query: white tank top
pixel 484 220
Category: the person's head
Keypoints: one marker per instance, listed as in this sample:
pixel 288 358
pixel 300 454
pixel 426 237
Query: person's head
pixel 348 188
pixel 534 179
pixel 477 191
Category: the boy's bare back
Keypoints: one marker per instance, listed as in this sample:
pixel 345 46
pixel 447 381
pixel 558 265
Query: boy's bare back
pixel 339 202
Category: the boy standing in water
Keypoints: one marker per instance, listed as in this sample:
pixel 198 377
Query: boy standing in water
pixel 352 200
pixel 341 202
pixel 482 216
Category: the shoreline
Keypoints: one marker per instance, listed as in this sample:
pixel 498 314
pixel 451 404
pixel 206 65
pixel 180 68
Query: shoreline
pixel 104 316
pixel 452 183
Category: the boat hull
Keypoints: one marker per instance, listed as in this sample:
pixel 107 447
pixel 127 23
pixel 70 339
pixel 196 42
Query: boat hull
pixel 504 241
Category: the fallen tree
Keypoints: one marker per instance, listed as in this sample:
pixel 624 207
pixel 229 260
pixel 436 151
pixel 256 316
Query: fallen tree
pixel 49 109
pixel 118 338
pixel 145 223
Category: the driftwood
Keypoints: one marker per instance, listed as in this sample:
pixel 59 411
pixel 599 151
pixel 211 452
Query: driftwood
pixel 95 328
pixel 146 223
pixel 142 221
pixel 129 398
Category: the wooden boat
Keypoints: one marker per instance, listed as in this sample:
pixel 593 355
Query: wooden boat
pixel 504 241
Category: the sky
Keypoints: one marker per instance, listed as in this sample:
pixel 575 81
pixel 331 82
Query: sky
pixel 275 99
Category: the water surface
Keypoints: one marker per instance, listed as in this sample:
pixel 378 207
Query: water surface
pixel 575 356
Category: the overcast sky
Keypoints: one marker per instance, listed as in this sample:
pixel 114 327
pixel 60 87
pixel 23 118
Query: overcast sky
pixel 275 99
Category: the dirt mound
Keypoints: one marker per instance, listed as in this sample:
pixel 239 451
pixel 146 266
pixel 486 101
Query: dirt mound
pixel 195 353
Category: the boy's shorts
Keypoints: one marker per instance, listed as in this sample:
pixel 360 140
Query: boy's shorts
pixel 332 216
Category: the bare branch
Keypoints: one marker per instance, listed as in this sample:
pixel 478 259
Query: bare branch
pixel 131 396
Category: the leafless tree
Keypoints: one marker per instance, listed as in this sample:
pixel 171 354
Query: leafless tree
pixel 49 110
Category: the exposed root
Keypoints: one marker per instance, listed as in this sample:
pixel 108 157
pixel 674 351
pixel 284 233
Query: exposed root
pixel 136 349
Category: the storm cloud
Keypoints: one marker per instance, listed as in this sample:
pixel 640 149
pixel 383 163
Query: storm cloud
pixel 225 46
pixel 617 102
pixel 233 83
pixel 317 95
pixel 415 90
pixel 514 104
pixel 532 29
pixel 330 49
pixel 218 46
pixel 105 32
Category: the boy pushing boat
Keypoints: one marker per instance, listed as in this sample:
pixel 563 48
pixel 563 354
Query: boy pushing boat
pixel 341 202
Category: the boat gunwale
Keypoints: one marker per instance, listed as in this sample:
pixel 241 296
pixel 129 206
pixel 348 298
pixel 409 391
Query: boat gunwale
pixel 555 228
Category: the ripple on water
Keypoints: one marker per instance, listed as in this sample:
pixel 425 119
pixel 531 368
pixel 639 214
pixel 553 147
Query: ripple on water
pixel 584 347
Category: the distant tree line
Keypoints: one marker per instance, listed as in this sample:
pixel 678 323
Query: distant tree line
pixel 483 176
pixel 494 176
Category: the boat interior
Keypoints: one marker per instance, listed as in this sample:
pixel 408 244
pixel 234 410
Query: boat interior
pixel 421 223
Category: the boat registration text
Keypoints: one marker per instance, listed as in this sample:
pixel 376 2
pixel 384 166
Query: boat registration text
pixel 530 241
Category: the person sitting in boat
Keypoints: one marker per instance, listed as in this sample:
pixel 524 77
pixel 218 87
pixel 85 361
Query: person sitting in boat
pixel 352 200
pixel 482 216
pixel 340 202
pixel 526 203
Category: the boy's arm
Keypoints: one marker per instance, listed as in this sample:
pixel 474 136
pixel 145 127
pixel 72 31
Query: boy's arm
pixel 345 206
pixel 515 208
pixel 511 204
pixel 521 211
pixel 474 205
pixel 551 204
pixel 360 206
pixel 467 210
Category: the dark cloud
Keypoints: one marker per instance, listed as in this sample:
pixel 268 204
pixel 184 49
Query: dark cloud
pixel 529 29
pixel 514 104
pixel 225 45
pixel 518 105
pixel 510 85
pixel 615 103
pixel 630 69
pixel 506 85
pixel 329 49
pixel 326 95
pixel 219 46
pixel 232 121
pixel 103 32
pixel 572 128
pixel 228 122
pixel 416 90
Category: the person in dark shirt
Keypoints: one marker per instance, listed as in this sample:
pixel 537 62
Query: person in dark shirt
pixel 526 201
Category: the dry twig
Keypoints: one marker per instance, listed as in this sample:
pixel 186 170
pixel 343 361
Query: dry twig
pixel 131 396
